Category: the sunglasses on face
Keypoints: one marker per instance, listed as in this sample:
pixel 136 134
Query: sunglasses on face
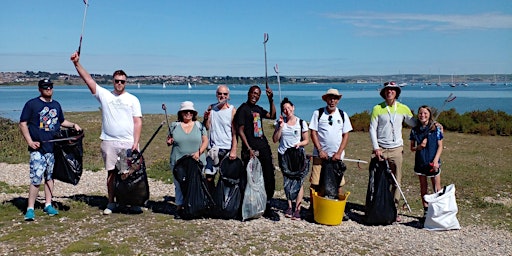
pixel 330 120
pixel 47 87
pixel 119 81
pixel 187 112
pixel 222 93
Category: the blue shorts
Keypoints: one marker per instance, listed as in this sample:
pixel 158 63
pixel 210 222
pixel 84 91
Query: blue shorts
pixel 41 165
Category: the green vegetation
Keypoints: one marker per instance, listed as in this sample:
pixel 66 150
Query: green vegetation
pixel 478 165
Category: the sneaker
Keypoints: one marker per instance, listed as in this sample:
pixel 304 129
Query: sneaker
pixel 288 213
pixel 110 208
pixel 30 215
pixel 296 215
pixel 271 214
pixel 50 210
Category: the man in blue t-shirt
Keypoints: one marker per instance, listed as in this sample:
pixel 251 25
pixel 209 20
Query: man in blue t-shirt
pixel 40 120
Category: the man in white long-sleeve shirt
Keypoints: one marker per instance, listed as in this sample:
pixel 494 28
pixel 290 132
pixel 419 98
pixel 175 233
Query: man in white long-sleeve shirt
pixel 386 130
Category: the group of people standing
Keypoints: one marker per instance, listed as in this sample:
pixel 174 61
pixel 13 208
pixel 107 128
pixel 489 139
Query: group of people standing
pixel 223 127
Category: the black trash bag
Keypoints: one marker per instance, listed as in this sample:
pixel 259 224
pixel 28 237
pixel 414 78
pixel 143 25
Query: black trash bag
pixel 196 198
pixel 380 204
pixel 68 156
pixel 228 193
pixel 296 163
pixel 330 178
pixel 131 186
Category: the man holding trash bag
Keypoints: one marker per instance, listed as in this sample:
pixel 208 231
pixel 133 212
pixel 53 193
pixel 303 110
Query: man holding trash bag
pixel 386 122
pixel 41 118
pixel 121 123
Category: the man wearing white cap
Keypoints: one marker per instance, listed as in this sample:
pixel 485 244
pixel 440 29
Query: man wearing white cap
pixel 386 130
pixel 329 133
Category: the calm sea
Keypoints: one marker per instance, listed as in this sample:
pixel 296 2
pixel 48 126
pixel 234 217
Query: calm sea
pixel 306 97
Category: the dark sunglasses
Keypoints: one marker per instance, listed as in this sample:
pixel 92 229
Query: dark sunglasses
pixel 120 81
pixel 187 112
pixel 222 93
pixel 47 87
pixel 330 120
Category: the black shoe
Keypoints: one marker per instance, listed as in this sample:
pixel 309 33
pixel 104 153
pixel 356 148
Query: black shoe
pixel 178 215
pixel 271 215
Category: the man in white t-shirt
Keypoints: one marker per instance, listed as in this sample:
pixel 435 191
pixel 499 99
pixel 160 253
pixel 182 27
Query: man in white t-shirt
pixel 329 134
pixel 121 122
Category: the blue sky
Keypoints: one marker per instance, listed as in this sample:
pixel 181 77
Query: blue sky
pixel 325 37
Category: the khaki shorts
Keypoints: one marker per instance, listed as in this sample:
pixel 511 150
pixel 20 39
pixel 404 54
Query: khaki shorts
pixel 314 179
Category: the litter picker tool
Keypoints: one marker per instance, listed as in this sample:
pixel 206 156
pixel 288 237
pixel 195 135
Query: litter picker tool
pixel 358 161
pixel 397 185
pixel 83 26
pixel 276 69
pixel 265 40
pixel 67 138
pixel 450 98
pixel 166 117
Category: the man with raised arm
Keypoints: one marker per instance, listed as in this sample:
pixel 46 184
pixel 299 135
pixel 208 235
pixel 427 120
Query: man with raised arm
pixel 121 123
pixel 249 119
pixel 218 119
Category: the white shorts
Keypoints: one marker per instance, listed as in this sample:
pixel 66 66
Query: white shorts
pixel 109 151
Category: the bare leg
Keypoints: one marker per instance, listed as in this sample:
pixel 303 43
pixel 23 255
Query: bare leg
pixel 48 191
pixel 33 191
pixel 299 199
pixel 423 189
pixel 110 186
pixel 436 183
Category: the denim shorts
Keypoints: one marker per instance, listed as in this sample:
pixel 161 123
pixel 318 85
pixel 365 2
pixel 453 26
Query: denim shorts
pixel 41 165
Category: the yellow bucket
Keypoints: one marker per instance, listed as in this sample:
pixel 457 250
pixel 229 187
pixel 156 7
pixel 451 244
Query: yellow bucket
pixel 329 211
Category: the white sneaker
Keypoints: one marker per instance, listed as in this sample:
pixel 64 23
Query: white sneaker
pixel 109 209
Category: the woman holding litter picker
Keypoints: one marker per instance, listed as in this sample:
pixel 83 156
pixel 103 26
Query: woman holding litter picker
pixel 187 137
pixel 292 134
pixel 427 141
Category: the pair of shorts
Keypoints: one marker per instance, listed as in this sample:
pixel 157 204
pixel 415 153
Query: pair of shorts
pixel 110 150
pixel 314 179
pixel 41 166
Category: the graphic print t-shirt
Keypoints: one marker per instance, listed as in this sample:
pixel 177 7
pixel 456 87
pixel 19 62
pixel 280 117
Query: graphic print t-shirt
pixel 43 120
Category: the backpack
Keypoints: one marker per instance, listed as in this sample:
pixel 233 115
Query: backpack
pixel 321 112
pixel 175 124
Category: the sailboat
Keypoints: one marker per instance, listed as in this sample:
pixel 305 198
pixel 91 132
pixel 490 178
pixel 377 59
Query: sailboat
pixel 465 83
pixel 452 84
pixel 163 85
pixel 494 82
pixel 189 86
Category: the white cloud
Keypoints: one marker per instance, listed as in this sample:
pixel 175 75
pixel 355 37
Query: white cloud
pixel 416 22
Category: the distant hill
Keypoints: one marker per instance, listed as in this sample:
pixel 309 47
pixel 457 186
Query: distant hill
pixel 31 78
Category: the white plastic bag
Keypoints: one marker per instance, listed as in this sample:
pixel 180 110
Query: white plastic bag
pixel 255 197
pixel 442 210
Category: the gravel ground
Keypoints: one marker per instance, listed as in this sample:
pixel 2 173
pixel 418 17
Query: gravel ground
pixel 227 237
